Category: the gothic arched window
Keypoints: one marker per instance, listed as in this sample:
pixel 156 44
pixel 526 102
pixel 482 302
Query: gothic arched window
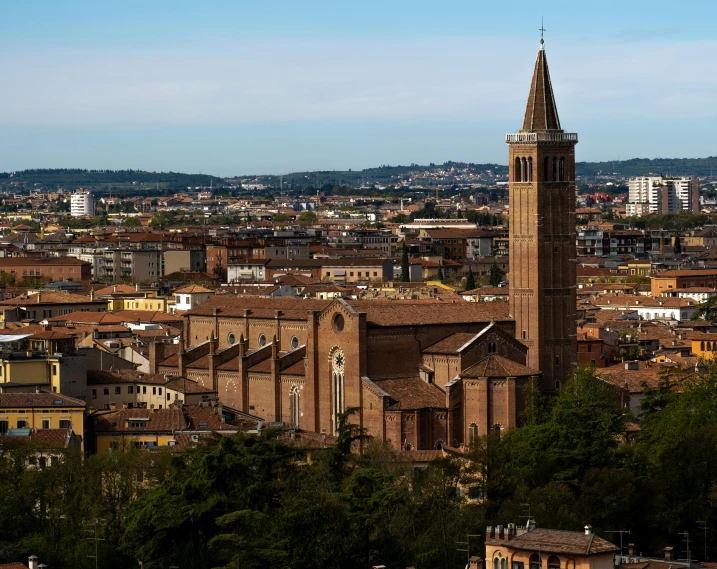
pixel 516 170
pixel 555 170
pixel 337 385
pixel 535 561
pixel 562 169
pixel 546 169
pixel 294 406
pixel 472 432
pixel 553 562
pixel 530 169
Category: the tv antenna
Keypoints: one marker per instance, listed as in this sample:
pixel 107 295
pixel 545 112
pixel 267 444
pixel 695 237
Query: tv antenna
pixel 703 527
pixel 621 532
pixel 96 539
pixel 687 542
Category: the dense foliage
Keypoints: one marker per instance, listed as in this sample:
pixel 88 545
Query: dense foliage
pixel 256 501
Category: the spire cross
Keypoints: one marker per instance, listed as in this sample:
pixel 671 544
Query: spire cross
pixel 542 31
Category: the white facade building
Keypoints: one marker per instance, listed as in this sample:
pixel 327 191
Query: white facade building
pixel 659 194
pixel 82 204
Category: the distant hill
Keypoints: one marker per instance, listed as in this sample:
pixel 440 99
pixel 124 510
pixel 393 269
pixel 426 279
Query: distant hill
pixel 647 166
pixel 70 178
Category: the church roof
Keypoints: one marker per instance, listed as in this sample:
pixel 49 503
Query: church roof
pixel 412 393
pixel 498 366
pixel 541 113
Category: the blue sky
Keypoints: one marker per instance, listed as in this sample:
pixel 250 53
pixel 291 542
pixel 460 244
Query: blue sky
pixel 241 87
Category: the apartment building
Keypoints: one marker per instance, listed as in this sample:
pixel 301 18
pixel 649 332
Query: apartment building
pixel 53 268
pixel 82 204
pixel 661 194
pixel 134 265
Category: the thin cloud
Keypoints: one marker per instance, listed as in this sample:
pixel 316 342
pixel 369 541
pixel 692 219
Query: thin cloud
pixel 352 80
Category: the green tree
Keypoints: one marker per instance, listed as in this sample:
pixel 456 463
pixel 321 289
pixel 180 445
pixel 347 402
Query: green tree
pixel 132 221
pixel 470 280
pixel 496 275
pixel 439 276
pixel 281 218
pixel 306 218
pixel 405 268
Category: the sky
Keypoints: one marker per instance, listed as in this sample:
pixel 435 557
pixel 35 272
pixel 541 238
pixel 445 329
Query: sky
pixel 245 87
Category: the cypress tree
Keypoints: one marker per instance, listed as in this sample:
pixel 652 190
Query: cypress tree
pixel 405 275
pixel 470 280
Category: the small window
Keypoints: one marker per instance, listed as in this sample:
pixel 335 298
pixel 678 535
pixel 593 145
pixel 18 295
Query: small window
pixel 144 390
pixel 94 394
pixel 338 322
pixel 525 334
pixel 130 389
pixel 118 390
pixel 154 391
pixel 106 391
pixel 46 423
pixel 21 424
pixel 231 339
pixel 553 562
pixel 294 342
pixel 262 340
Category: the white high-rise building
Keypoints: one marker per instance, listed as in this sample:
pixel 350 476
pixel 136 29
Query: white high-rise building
pixel 660 194
pixel 82 204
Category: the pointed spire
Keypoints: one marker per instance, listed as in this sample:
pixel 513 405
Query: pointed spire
pixel 541 113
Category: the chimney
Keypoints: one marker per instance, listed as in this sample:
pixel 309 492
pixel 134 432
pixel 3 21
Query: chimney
pixel 136 287
pixel 588 529
pixel 500 533
pixel 631 549
pixel 669 554
pixel 475 563
pixel 489 533
pixel 32 562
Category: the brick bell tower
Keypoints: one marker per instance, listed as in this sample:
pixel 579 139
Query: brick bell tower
pixel 542 233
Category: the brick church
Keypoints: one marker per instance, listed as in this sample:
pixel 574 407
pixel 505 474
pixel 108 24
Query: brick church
pixel 422 374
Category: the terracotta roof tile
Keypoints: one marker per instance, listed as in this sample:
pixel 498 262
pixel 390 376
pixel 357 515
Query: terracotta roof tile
pixel 559 541
pixel 451 344
pixel 412 393
pixel 35 400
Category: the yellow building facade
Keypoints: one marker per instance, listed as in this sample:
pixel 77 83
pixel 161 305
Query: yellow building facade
pixel 41 411
pixel 515 547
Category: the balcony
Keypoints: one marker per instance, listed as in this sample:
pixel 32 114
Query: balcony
pixel 531 137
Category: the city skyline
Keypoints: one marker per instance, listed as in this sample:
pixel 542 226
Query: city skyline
pixel 247 90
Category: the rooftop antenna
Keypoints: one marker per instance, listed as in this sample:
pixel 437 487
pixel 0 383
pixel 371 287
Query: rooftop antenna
pixel 621 532
pixel 703 526
pixel 687 541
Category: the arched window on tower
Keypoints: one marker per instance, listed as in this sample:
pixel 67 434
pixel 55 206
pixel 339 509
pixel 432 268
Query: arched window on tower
pixel 530 169
pixel 516 170
pixel 496 563
pixel 523 170
pixel 546 169
pixel 561 171
pixel 555 169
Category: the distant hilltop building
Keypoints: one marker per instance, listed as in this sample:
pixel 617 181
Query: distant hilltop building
pixel 82 203
pixel 660 194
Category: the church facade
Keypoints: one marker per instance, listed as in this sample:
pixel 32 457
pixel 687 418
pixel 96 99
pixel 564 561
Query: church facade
pixel 421 374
